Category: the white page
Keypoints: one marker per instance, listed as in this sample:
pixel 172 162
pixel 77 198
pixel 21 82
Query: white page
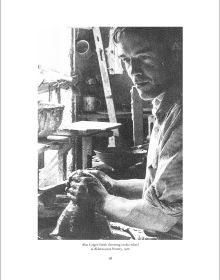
pixel 23 256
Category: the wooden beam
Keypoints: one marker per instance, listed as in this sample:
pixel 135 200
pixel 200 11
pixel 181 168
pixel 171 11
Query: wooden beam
pixel 105 81
pixel 75 99
pixel 58 93
pixel 72 53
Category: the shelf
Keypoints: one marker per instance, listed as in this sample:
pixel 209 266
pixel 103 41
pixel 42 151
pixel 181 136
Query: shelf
pixel 104 115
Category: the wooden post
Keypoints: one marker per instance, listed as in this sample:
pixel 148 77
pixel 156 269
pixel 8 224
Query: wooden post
pixel 75 92
pixel 86 152
pixel 72 53
pixel 137 117
pixel 74 105
pixel 50 92
pixel 58 94
pixel 106 83
pixel 76 100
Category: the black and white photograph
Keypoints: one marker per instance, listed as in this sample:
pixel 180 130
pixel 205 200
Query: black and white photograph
pixel 109 139
pixel 110 134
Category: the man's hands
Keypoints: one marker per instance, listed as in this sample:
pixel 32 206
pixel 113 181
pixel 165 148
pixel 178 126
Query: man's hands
pixel 85 189
pixel 106 181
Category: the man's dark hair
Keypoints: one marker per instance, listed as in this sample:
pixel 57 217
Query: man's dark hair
pixel 165 36
pixel 152 33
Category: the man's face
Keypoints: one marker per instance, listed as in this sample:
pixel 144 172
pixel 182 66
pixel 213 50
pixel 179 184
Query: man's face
pixel 144 62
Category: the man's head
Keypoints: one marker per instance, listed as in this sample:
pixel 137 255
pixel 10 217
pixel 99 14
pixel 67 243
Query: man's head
pixel 147 55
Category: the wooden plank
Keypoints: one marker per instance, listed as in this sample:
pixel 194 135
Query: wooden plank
pixel 105 80
pixel 90 126
pixel 137 117
pixel 58 138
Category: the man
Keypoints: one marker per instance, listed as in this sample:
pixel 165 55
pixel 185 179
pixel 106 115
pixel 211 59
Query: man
pixel 154 204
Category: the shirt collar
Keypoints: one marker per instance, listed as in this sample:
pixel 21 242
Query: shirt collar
pixel 156 102
pixel 163 102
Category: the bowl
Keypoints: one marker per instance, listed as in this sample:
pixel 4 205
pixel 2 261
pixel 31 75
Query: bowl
pixel 118 158
pixel 50 116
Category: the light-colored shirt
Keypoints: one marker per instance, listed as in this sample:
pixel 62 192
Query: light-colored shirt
pixel 156 103
pixel 163 181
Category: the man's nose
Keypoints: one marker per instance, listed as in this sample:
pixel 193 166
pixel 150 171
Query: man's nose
pixel 135 67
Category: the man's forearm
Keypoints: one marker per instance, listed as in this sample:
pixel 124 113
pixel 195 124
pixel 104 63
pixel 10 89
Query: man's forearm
pixel 131 188
pixel 136 213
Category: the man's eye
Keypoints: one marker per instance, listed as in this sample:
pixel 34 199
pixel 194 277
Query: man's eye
pixel 146 57
pixel 125 59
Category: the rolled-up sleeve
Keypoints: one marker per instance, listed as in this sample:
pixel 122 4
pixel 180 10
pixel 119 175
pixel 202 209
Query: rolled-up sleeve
pixel 165 190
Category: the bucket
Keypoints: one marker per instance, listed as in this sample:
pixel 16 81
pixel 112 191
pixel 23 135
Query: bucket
pixel 49 118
